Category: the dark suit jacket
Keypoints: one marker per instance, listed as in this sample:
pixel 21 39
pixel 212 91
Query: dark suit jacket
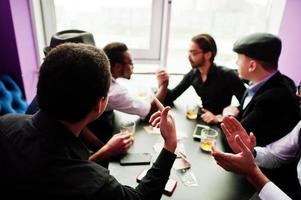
pixel 273 111
pixel 41 159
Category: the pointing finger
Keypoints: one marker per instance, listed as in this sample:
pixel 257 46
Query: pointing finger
pixel 158 104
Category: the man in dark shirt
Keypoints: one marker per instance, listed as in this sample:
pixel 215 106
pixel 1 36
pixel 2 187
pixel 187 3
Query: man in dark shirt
pixel 109 146
pixel 41 155
pixel 214 84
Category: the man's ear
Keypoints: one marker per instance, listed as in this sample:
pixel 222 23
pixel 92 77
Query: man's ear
pixel 118 67
pixel 208 55
pixel 101 105
pixel 116 70
pixel 252 66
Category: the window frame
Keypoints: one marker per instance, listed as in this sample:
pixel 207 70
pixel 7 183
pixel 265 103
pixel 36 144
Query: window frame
pixel 152 55
pixel 44 23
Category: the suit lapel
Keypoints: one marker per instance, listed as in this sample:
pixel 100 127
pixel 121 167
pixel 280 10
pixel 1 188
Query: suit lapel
pixel 243 99
pixel 274 80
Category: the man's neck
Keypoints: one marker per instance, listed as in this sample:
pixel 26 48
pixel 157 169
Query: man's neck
pixel 262 75
pixel 74 128
pixel 204 70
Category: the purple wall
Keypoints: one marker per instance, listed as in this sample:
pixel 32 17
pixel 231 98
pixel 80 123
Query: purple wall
pixel 290 33
pixel 26 45
pixel 9 64
pixel 18 57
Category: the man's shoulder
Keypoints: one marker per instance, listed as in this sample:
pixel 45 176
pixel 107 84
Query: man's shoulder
pixel 12 125
pixel 277 93
pixel 227 74
pixel 225 70
pixel 13 119
pixel 277 85
pixel 192 72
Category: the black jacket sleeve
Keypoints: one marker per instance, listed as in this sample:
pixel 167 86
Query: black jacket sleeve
pixel 179 89
pixel 151 186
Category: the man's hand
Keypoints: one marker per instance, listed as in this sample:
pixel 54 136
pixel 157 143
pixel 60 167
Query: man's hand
pixel 118 144
pixel 231 128
pixel 164 120
pixel 162 78
pixel 242 163
pixel 209 118
pixel 231 111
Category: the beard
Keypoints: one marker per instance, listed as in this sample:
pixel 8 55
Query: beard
pixel 198 63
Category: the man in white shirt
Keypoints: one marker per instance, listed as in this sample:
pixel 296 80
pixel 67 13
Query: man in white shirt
pixel 122 67
pixel 119 97
pixel 285 150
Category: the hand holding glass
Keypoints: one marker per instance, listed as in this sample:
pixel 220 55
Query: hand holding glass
pixel 128 127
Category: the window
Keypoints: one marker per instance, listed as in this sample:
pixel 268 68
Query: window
pixel 135 22
pixel 225 20
pixel 159 31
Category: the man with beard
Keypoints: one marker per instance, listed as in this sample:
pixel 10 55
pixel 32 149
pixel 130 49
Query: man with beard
pixel 214 84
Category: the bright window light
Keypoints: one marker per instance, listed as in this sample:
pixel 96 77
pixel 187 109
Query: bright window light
pixel 225 20
pixel 158 32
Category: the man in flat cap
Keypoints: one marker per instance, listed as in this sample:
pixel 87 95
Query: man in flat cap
pixel 269 107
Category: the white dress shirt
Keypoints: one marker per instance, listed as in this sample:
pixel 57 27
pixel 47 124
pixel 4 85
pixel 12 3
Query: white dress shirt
pixel 120 99
pixel 275 154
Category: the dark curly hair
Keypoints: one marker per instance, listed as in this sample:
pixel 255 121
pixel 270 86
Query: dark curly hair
pixel 73 77
pixel 115 52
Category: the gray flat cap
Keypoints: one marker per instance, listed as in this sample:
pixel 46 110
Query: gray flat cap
pixel 260 46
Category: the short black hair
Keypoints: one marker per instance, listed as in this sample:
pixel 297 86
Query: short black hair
pixel 73 77
pixel 206 43
pixel 115 52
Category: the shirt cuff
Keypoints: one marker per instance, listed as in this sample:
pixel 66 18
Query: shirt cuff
pixel 165 159
pixel 259 157
pixel 271 192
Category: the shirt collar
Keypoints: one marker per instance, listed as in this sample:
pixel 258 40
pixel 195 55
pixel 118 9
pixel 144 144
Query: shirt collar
pixel 212 69
pixel 45 122
pixel 255 87
pixel 113 80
